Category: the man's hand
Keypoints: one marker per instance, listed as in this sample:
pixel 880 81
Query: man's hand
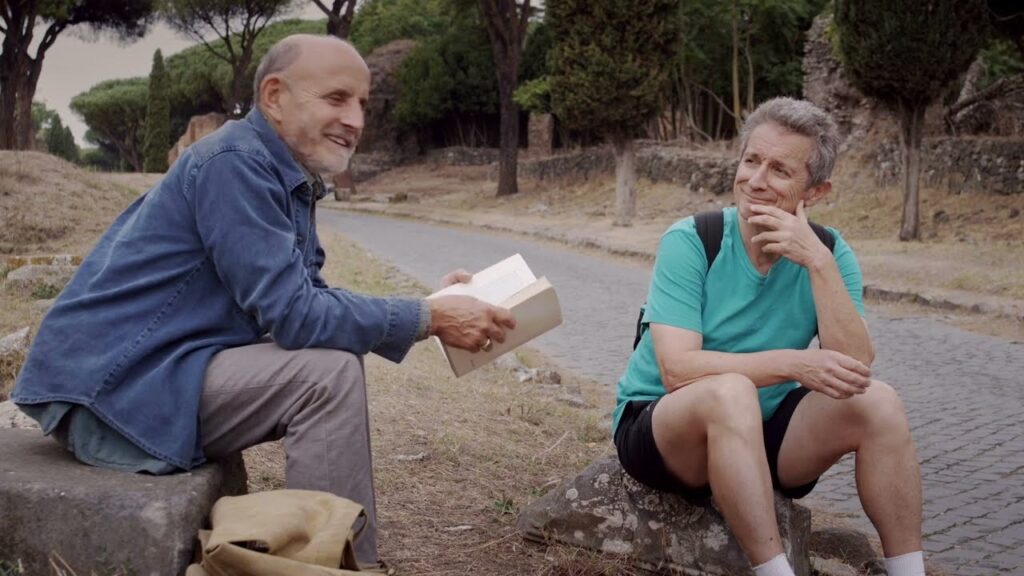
pixel 788 235
pixel 468 323
pixel 456 277
pixel 832 373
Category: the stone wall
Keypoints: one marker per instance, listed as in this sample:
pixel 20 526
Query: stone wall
pixel 960 165
pixel 699 171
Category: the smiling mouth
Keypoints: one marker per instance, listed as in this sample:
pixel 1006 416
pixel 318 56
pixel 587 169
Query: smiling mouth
pixel 341 141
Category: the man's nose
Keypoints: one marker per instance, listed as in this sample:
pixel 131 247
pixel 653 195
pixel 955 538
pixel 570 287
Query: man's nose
pixel 760 177
pixel 353 116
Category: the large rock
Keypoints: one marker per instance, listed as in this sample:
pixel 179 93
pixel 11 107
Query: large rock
pixel 100 521
pixel 198 126
pixel 27 280
pixel 13 349
pixel 605 509
pixel 382 134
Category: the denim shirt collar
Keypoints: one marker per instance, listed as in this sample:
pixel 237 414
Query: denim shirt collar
pixel 295 175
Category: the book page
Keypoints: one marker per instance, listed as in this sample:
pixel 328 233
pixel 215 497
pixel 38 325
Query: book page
pixel 496 283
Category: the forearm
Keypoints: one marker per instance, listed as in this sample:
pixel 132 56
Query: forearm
pixel 840 327
pixel 763 368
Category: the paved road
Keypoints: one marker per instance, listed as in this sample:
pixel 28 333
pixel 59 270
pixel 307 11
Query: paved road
pixel 964 392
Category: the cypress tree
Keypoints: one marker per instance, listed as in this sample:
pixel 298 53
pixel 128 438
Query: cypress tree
pixel 610 63
pixel 906 53
pixel 59 140
pixel 157 142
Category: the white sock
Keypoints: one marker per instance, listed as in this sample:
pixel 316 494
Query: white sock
pixel 910 564
pixel 777 566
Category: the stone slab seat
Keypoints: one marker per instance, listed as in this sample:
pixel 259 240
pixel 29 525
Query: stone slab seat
pixel 605 509
pixel 101 521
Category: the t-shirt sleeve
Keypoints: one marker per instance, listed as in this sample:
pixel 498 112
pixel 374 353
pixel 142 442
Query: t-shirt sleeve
pixel 677 283
pixel 849 269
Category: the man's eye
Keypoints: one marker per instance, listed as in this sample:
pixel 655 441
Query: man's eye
pixel 750 161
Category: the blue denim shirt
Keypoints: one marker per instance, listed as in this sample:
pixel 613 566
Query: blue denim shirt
pixel 222 251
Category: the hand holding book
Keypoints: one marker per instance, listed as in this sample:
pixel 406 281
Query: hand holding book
pixel 508 287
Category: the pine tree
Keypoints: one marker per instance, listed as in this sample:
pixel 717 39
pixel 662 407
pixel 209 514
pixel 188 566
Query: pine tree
pixel 609 67
pixel 906 53
pixel 158 119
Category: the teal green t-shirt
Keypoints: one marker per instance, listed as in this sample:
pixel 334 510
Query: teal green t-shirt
pixel 735 308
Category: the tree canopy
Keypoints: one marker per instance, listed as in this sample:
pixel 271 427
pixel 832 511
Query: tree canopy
pixel 228 29
pixel 115 111
pixel 381 21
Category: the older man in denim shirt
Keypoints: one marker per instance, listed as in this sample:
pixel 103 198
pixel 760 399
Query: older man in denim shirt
pixel 200 324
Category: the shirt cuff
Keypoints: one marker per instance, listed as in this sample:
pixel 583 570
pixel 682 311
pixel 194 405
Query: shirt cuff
pixel 424 326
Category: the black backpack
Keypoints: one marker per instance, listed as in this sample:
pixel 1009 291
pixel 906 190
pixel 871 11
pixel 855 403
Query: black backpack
pixel 710 227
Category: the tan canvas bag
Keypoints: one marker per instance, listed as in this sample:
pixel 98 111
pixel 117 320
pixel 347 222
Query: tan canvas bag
pixel 281 532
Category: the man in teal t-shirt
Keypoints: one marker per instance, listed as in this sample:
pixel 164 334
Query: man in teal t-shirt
pixel 723 396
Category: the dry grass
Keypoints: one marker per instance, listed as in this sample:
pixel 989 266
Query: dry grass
pixel 51 206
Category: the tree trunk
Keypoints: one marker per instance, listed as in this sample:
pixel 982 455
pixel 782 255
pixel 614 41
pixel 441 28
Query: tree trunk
pixel 625 181
pixel 509 156
pixel 911 129
pixel 15 95
pixel 736 73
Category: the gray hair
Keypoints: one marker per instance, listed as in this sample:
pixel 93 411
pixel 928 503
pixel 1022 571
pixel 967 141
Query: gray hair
pixel 800 117
pixel 281 56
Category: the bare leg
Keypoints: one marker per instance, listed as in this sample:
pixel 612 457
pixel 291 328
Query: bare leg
pixel 874 426
pixel 709 432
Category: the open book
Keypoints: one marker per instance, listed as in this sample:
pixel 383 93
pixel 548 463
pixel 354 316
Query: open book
pixel 509 284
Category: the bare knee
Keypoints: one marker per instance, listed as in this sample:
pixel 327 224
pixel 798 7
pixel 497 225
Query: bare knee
pixel 730 399
pixel 880 409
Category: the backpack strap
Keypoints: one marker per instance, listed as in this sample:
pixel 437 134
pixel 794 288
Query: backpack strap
pixel 710 229
pixel 824 235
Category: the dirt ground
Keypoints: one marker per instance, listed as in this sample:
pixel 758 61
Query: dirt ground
pixel 971 252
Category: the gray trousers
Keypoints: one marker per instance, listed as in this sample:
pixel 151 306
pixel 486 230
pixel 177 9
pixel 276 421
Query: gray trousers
pixel 315 399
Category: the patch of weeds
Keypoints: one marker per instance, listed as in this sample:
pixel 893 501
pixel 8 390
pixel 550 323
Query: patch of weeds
pixel 505 504
pixel 45 292
pixel 593 430
pixel 530 414
pixel 4 271
pixel 11 568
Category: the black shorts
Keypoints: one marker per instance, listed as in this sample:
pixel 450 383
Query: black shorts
pixel 634 440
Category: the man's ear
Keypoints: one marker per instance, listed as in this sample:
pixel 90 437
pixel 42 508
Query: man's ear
pixel 817 193
pixel 271 90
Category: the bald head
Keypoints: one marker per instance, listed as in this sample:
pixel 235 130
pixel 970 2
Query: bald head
pixel 286 52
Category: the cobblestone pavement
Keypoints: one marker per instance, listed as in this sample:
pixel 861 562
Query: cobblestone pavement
pixel 964 392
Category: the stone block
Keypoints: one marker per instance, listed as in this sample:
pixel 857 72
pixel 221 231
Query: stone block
pixel 604 509
pixel 25 280
pixel 101 521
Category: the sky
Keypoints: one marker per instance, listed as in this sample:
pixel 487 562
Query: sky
pixel 77 62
